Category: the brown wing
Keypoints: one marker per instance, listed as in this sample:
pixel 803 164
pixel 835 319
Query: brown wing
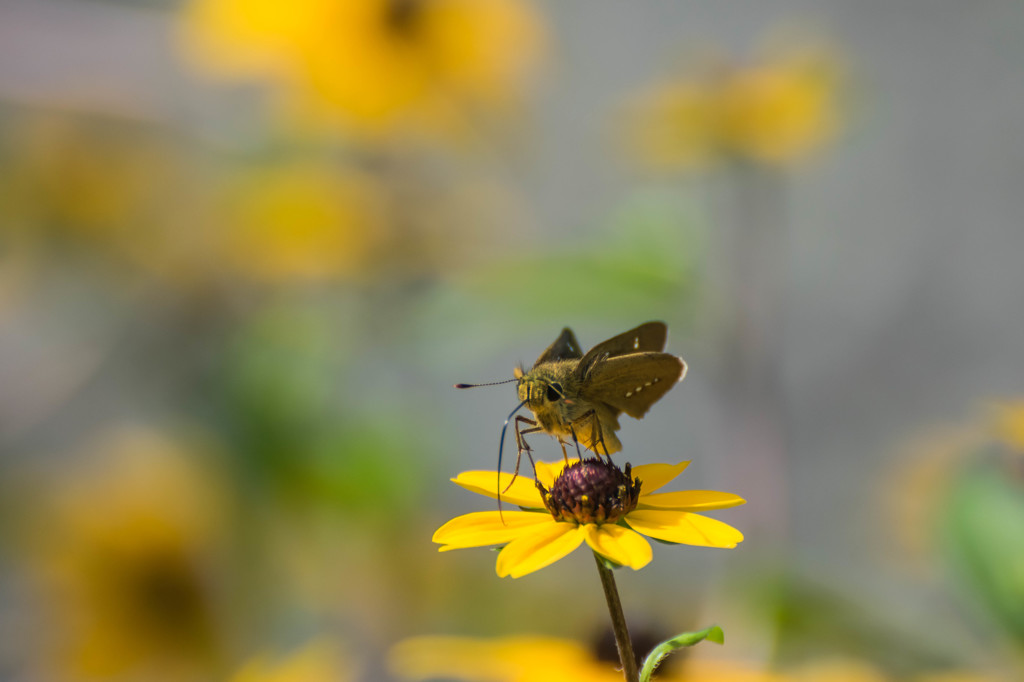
pixel 648 337
pixel 565 347
pixel 632 383
pixel 599 437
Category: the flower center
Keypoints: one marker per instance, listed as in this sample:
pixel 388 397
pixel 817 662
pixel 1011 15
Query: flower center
pixel 403 17
pixel 592 491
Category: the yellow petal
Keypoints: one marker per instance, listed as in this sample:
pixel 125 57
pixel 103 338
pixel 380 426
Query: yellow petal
pixel 522 493
pixel 538 548
pixel 619 544
pixel 480 529
pixel 654 476
pixel 690 500
pixel 684 527
pixel 547 472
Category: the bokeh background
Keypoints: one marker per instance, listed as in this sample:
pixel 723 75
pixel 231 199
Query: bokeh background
pixel 246 248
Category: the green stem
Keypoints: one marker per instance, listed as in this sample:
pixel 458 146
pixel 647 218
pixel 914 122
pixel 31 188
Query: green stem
pixel 622 641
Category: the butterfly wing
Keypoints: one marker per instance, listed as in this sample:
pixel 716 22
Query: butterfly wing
pixel 565 347
pixel 632 383
pixel 648 337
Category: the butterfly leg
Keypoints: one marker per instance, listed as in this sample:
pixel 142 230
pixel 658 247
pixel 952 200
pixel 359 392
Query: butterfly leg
pixel 522 447
pixel 520 432
pixel 596 433
pixel 561 443
pixel 574 440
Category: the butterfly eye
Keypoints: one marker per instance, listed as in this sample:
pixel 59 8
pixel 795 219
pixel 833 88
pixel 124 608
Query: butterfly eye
pixel 554 392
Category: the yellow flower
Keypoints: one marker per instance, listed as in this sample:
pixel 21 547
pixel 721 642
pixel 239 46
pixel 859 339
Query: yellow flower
pixel 374 65
pixel 781 110
pixel 521 658
pixel 672 124
pixel 959 676
pixel 534 658
pixel 1008 417
pixel 928 463
pixel 127 565
pixel 836 670
pixel 587 501
pixel 307 221
pixel 775 112
pixel 300 221
pixel 87 180
pixel 923 467
pixel 319 661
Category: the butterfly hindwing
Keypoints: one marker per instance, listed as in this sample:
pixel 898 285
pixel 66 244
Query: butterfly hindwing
pixel 632 383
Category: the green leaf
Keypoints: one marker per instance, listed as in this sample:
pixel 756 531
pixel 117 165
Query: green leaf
pixel 712 634
pixel 984 534
pixel 643 261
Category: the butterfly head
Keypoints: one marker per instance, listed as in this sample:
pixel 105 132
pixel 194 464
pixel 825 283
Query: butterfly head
pixel 540 388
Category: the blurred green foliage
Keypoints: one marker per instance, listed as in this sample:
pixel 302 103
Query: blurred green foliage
pixel 983 531
pixel 297 428
pixel 644 262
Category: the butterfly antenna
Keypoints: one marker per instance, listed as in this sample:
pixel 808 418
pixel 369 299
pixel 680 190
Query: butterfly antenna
pixel 493 383
pixel 501 447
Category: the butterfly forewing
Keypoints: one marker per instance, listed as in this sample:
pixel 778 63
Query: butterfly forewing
pixel 632 383
pixel 565 347
pixel 650 336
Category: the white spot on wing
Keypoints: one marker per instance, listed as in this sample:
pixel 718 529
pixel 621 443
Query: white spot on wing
pixel 629 393
pixel 636 342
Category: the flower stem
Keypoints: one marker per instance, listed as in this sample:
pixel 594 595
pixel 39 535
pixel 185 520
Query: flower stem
pixel 622 641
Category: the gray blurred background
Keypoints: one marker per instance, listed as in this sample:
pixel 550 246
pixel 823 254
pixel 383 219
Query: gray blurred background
pixel 835 313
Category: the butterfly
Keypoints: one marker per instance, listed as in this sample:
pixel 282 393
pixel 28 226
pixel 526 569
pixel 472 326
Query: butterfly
pixel 580 396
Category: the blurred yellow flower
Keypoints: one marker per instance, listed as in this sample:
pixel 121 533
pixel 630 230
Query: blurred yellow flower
pixel 300 221
pixel 960 676
pixel 836 670
pixel 91 179
pixel 585 501
pixel 776 111
pixel 672 124
pixel 531 658
pixel 926 464
pixel 781 110
pixel 373 65
pixel 534 658
pixel 312 221
pixel 963 486
pixel 1009 424
pixel 524 658
pixel 319 661
pixel 922 468
pixel 83 188
pixel 126 564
